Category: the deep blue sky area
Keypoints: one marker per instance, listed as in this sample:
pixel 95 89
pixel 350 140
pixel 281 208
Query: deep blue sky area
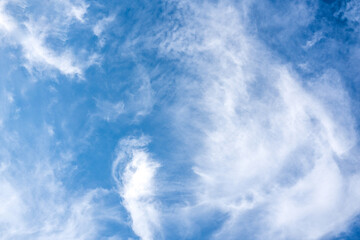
pixel 124 120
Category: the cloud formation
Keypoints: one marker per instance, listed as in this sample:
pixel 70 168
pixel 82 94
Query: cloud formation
pixel 137 185
pixel 100 26
pixel 32 32
pixel 251 108
pixel 35 203
pixel 109 111
pixel 272 145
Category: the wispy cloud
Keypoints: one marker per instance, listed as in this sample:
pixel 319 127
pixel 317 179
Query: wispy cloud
pixel 73 9
pixel 135 171
pixel 100 26
pixel 36 204
pixel 31 33
pixel 316 38
pixel 272 146
pixel 108 110
pixel 244 144
pixel 351 11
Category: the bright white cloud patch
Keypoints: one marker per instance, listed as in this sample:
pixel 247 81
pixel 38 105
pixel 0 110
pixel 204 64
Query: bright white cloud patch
pixel 31 35
pixel 134 172
pixel 272 146
pixel 101 26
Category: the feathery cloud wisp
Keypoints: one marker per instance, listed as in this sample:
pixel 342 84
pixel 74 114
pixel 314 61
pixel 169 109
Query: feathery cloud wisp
pixel 137 185
pixel 32 32
pixel 272 147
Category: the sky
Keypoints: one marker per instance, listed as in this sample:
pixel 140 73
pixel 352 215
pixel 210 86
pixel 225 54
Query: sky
pixel 179 119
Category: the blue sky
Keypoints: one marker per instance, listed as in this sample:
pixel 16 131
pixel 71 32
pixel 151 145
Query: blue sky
pixel 179 119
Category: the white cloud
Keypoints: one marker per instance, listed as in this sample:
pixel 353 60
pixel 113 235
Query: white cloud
pixel 271 146
pixel 135 172
pixel 141 100
pixel 100 27
pixel 35 203
pixel 32 37
pixel 11 210
pixel 7 101
pixel 80 221
pixel 351 11
pixel 108 110
pixel 75 10
pixel 6 22
pixel 315 39
pixel 37 54
pixel 50 130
